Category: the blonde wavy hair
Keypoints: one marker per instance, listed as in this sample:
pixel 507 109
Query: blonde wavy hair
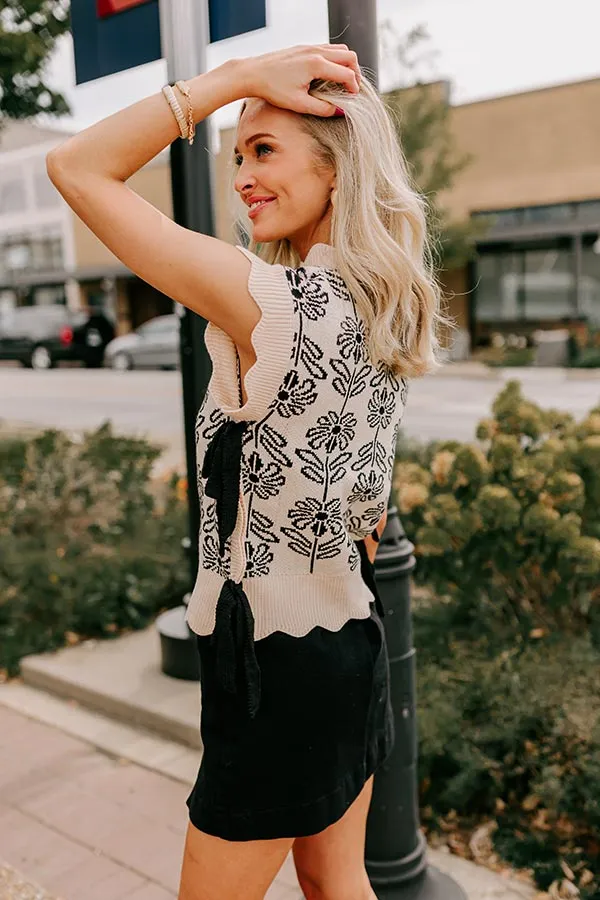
pixel 378 231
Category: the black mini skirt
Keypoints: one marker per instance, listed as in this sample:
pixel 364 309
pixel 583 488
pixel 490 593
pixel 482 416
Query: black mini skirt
pixel 323 726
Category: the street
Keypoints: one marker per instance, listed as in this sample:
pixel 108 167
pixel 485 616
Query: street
pixel 149 403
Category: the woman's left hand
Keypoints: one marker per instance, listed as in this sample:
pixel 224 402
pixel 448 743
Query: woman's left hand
pixel 372 545
pixel 283 78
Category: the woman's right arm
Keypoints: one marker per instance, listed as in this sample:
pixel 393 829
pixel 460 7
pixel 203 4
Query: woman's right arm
pixel 90 169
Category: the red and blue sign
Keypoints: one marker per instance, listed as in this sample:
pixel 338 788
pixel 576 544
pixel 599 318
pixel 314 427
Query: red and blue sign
pixel 113 35
pixel 106 8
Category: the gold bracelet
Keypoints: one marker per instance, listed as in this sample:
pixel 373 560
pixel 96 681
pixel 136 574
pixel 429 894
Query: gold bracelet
pixel 191 129
pixel 176 109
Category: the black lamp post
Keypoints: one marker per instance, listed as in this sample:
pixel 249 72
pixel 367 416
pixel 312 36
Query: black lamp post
pixel 396 851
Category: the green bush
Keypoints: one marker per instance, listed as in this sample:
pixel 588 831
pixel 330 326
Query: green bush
pixel 90 545
pixel 513 735
pixel 508 527
pixel 506 532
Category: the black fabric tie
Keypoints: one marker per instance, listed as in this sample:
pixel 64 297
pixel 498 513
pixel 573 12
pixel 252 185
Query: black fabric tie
pixel 233 638
pixel 221 467
pixel 367 570
pixel 233 635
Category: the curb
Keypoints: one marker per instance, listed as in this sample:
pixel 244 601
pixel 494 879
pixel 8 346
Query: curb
pixel 122 680
pixel 117 739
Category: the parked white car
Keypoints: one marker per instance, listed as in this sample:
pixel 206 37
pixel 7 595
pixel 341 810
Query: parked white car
pixel 154 345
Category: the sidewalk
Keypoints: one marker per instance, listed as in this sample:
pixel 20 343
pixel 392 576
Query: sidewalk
pixel 14 887
pixel 84 825
pixel 87 827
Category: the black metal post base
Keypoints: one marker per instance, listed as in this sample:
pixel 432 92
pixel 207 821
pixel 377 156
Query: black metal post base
pixel 179 654
pixel 433 885
pixel 404 870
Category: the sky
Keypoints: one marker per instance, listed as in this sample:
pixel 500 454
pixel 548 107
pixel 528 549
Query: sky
pixel 484 48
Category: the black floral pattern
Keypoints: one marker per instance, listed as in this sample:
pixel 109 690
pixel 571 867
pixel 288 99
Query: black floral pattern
pixel 382 406
pixel 261 478
pixel 352 340
pixel 368 486
pixel 332 431
pixel 309 292
pixel 258 560
pixel 338 464
pixel 294 395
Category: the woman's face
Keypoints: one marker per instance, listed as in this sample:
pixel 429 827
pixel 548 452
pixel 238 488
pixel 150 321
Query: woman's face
pixel 280 179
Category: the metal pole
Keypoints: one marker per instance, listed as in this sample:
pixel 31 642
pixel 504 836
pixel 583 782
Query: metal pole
pixel 184 36
pixel 396 851
pixel 354 22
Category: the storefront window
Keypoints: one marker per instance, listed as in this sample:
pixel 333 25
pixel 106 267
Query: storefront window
pixel 498 287
pixel 541 215
pixel 589 212
pixel 526 285
pixel 589 286
pixel 549 284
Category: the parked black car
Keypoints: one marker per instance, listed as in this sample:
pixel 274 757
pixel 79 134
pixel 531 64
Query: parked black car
pixel 42 336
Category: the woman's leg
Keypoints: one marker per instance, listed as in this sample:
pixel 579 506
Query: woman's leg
pixel 331 864
pixel 214 869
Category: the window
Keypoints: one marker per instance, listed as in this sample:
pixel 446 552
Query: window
pixel 526 285
pixel 558 214
pixel 20 254
pixel 589 212
pixel 46 195
pixel 156 327
pixel 498 287
pixel 549 283
pixel 544 215
pixel 13 197
pixel 49 295
pixel 499 219
pixel 17 256
pixel 589 285
pixel 47 253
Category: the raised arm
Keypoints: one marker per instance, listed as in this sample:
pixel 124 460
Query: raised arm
pixel 90 169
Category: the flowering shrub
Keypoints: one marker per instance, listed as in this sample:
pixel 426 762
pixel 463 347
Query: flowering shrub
pixel 509 528
pixel 89 544
pixel 507 629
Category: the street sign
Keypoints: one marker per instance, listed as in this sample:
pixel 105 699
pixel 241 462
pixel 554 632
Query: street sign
pixel 113 35
pixel 110 7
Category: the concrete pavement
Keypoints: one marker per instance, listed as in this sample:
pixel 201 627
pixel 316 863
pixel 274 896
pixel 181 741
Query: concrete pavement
pixel 14 887
pixel 86 825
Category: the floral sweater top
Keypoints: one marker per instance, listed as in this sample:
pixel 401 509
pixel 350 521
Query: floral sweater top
pixel 290 480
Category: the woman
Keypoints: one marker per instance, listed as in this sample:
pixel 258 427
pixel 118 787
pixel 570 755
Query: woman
pixel 313 333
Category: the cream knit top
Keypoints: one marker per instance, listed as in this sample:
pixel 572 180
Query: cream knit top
pixel 317 454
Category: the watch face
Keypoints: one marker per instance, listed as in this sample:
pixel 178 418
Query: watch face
pixel 106 8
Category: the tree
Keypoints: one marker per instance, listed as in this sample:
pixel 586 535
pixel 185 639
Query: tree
pixel 421 114
pixel 29 30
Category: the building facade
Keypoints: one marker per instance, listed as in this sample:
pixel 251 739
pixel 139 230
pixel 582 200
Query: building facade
pixel 47 254
pixel 533 185
pixel 100 274
pixel 37 251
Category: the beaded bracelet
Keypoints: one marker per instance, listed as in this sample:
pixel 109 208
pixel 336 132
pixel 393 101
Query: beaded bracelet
pixel 176 109
pixel 184 89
